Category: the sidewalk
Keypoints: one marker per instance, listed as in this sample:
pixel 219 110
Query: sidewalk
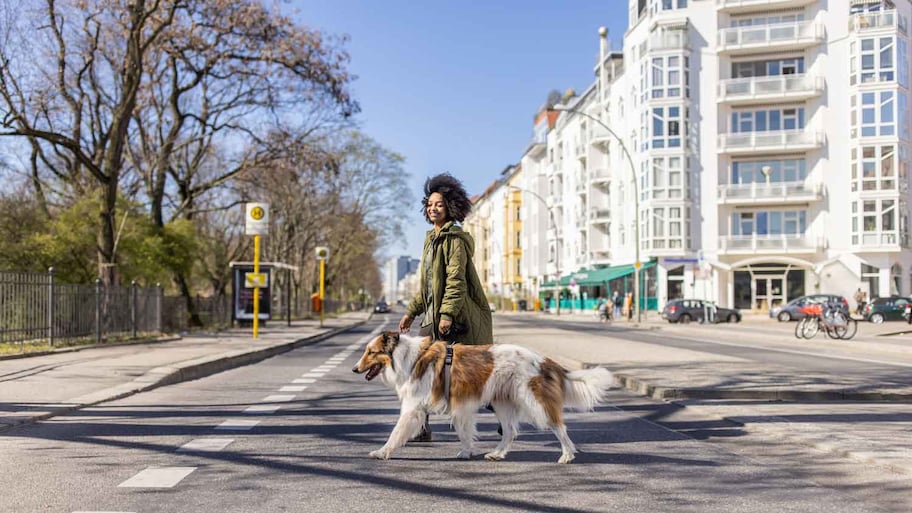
pixel 39 387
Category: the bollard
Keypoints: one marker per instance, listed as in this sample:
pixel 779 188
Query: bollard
pixel 50 307
pixel 98 311
pixel 133 309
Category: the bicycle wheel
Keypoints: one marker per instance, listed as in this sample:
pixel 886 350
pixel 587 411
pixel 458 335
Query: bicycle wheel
pixel 812 328
pixel 851 329
pixel 799 327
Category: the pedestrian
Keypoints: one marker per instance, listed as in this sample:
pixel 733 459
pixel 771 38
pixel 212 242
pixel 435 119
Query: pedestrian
pixel 859 298
pixel 628 306
pixel 602 310
pixel 616 301
pixel 450 294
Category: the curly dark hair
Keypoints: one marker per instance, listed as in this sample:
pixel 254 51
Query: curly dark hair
pixel 457 201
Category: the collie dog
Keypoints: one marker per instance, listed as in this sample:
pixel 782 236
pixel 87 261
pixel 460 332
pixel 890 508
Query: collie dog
pixel 520 384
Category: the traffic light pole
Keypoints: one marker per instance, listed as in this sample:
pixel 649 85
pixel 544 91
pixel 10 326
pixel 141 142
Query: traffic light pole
pixel 322 282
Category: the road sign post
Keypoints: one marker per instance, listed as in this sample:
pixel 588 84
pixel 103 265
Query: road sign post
pixel 322 253
pixel 256 223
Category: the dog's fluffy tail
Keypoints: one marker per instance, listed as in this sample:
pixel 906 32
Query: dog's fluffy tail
pixel 584 389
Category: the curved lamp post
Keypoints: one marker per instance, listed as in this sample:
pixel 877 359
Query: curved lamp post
pixel 554 226
pixel 636 201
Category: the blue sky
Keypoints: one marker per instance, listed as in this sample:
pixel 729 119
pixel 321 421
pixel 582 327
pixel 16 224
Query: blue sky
pixel 453 86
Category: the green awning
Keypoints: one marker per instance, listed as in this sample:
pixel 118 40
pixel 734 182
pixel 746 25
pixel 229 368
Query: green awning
pixel 596 277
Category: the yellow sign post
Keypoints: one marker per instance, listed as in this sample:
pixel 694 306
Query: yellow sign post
pixel 256 224
pixel 322 256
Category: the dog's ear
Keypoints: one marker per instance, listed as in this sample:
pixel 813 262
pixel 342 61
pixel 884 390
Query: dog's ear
pixel 390 341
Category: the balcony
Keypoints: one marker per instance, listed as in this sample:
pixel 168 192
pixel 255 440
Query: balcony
pixel 669 40
pixel 796 35
pixel 878 242
pixel 739 91
pixel 600 257
pixel 581 188
pixel 774 141
pixel 868 21
pixel 742 6
pixel 599 215
pixel 769 193
pixel 598 136
pixel 600 177
pixel 554 233
pixel 769 244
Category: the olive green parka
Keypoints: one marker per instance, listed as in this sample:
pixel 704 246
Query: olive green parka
pixel 456 289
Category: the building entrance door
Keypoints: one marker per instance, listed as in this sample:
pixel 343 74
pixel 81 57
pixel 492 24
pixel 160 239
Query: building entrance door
pixel 768 292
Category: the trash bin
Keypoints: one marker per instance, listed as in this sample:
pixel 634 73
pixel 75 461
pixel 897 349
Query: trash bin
pixel 522 305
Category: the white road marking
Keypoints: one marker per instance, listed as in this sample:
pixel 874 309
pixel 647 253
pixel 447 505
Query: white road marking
pixel 336 360
pixel 313 375
pixel 306 381
pixel 262 408
pixel 206 445
pixel 325 368
pixel 238 425
pixel 293 388
pixel 102 512
pixel 161 477
pixel 277 399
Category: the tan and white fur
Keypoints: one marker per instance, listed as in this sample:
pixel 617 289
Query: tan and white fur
pixel 520 384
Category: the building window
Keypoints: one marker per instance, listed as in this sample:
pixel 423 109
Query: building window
pixel 665 231
pixel 667 180
pixel 775 19
pixel 875 60
pixel 667 77
pixel 878 222
pixel 768 68
pixel 875 170
pixel 666 127
pixel 877 116
pixel 783 118
pixel 769 223
pixel 518 239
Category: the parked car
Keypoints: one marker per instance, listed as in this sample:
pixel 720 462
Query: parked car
pixel 790 311
pixel 886 309
pixel 686 310
pixel 382 307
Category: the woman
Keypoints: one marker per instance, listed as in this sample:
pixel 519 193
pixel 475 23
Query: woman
pixel 450 296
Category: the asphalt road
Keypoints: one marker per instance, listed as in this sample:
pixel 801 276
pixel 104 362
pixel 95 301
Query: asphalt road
pixel 305 449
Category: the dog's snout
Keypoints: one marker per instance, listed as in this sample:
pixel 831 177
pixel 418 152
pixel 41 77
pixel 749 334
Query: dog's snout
pixel 355 369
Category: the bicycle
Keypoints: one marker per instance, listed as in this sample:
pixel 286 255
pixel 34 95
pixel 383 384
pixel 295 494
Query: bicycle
pixel 829 318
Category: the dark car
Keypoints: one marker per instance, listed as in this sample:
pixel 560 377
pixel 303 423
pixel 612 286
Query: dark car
pixel 382 307
pixel 886 309
pixel 686 310
pixel 791 312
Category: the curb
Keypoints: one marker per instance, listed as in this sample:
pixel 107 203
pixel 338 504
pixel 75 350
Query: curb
pixel 170 375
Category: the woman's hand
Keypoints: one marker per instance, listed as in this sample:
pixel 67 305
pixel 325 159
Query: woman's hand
pixel 444 327
pixel 405 324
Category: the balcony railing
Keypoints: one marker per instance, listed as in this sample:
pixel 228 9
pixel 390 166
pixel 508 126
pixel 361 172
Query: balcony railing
pixel 877 20
pixel 581 187
pixel 669 40
pixel 878 240
pixel 774 191
pixel 774 87
pixel 786 243
pixel 781 140
pixel 796 34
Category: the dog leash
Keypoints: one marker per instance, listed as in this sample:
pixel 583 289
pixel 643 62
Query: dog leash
pixel 447 363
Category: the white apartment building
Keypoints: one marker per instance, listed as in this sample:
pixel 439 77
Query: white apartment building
pixel 769 147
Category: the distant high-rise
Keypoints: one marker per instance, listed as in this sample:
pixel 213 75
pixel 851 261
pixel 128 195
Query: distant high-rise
pixel 395 269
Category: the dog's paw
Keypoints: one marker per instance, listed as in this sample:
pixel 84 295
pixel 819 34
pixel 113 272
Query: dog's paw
pixel 566 458
pixel 464 455
pixel 495 456
pixel 380 454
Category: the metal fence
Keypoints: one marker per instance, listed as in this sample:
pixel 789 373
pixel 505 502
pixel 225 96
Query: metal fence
pixel 36 309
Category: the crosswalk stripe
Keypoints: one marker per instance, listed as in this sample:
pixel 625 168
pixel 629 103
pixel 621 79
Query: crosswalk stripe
pixel 277 399
pixel 293 388
pixel 313 375
pixel 157 477
pixel 238 425
pixel 206 445
pixel 306 381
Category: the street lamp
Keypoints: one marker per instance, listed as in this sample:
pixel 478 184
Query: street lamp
pixel 554 226
pixel 636 201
